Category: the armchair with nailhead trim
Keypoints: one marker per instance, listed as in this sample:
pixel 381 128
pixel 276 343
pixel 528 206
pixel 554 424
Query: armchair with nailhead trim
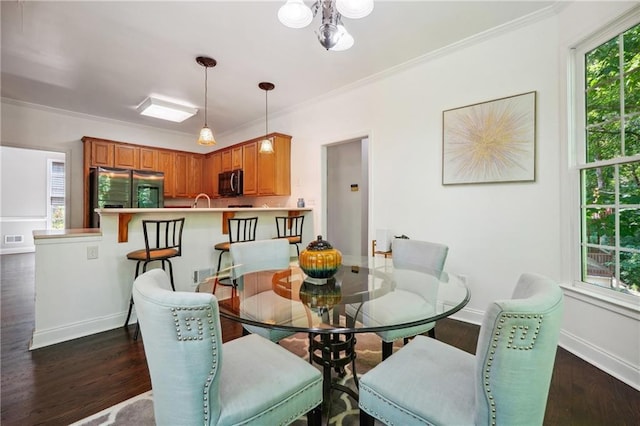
pixel 505 383
pixel 198 380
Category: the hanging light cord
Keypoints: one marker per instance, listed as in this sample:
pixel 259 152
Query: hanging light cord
pixel 206 85
pixel 266 113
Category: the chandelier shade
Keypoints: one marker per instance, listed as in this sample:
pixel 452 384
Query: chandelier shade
pixel 332 33
pixel 206 134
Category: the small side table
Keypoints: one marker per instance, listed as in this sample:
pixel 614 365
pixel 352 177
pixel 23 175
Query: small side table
pixel 386 254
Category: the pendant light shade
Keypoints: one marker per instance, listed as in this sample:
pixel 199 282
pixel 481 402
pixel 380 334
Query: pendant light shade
pixel 354 9
pixel 266 145
pixel 206 134
pixel 295 14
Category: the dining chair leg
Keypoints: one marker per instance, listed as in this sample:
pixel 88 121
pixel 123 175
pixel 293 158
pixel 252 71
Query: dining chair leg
pixel 432 333
pixel 366 419
pixel 314 417
pixel 215 282
pixel 387 349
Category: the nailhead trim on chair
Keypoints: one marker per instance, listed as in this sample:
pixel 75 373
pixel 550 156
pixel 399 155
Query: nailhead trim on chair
pixel 200 333
pixel 524 332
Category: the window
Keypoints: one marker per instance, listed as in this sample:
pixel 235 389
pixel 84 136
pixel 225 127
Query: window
pixel 55 199
pixel 608 112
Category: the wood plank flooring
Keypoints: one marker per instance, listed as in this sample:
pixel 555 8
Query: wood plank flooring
pixel 60 384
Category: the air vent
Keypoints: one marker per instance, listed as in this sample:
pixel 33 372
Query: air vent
pixel 13 239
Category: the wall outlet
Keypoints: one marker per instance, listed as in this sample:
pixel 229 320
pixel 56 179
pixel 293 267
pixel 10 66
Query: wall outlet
pixel 92 252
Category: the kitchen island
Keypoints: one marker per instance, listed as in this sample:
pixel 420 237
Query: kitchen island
pixel 83 278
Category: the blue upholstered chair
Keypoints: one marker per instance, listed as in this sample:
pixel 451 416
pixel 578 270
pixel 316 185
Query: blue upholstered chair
pixel 410 255
pixel 505 383
pixel 197 380
pixel 261 255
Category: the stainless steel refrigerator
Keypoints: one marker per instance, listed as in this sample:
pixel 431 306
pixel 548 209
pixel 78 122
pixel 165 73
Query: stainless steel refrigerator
pixel 122 188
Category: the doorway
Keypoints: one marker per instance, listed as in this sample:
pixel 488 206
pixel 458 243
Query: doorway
pixel 347 195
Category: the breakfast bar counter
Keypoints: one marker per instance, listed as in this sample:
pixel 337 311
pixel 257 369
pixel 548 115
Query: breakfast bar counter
pixel 92 295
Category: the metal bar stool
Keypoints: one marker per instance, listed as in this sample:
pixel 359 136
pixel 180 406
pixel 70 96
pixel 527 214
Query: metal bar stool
pixel 290 228
pixel 162 241
pixel 240 230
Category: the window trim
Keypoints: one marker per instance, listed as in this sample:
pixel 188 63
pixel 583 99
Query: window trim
pixel 578 160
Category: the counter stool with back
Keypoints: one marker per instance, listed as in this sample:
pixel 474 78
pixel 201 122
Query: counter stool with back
pixel 162 241
pixel 290 228
pixel 240 230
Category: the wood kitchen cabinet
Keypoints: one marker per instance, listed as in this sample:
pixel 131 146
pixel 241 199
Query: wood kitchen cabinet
pixel 226 160
pixel 126 156
pixel 210 172
pixel 181 178
pixel 148 159
pixel 194 174
pixel 274 170
pixel 250 168
pixel 166 164
pixel 236 157
pixel 101 152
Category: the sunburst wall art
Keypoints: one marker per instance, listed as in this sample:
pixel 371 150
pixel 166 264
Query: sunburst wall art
pixel 490 142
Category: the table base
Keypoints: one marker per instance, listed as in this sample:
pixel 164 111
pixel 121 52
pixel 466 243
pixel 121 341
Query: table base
pixel 335 352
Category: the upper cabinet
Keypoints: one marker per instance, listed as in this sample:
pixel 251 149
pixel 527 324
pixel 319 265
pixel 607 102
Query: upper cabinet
pixel 126 156
pixel 274 170
pixel 226 160
pixel 166 165
pixel 250 170
pixel 148 159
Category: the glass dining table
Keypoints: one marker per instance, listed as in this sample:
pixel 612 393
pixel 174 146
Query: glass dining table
pixel 365 295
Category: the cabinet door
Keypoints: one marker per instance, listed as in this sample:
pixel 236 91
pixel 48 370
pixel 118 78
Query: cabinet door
pixel 181 179
pixel 250 168
pixel 216 164
pixel 126 156
pixel 102 154
pixel 226 160
pixel 194 174
pixel 274 170
pixel 207 174
pixel 236 158
pixel 166 160
pixel 148 159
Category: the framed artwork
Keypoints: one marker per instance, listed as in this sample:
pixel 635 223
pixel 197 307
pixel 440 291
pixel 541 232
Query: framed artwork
pixel 491 141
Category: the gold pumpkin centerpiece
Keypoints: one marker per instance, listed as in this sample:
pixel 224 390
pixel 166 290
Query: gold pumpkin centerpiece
pixel 320 259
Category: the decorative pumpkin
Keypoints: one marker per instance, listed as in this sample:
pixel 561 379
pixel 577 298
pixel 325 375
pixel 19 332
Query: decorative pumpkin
pixel 320 259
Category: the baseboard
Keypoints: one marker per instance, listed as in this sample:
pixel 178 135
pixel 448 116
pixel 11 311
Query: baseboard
pixel 601 359
pixel 18 250
pixel 51 336
pixel 472 316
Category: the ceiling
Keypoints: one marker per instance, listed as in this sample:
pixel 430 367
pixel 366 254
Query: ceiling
pixel 104 58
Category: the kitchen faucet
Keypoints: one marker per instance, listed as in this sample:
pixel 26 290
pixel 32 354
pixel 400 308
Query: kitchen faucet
pixel 202 194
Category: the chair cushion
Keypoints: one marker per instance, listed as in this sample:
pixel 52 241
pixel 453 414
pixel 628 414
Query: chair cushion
pixel 158 254
pixel 222 246
pixel 280 386
pixel 388 391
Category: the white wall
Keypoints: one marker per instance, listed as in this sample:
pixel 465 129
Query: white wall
pixel 495 232
pixel 23 195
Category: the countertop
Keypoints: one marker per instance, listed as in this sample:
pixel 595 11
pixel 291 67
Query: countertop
pixel 67 233
pixel 204 209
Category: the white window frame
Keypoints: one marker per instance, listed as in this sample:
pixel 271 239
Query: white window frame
pixel 50 162
pixel 578 154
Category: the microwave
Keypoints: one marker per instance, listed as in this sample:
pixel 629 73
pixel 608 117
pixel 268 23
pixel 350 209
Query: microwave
pixel 230 183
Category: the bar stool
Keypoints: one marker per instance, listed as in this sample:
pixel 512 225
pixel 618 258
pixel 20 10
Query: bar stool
pixel 290 228
pixel 162 241
pixel 240 230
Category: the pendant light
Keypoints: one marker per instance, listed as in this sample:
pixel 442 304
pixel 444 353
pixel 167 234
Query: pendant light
pixel 206 135
pixel 266 145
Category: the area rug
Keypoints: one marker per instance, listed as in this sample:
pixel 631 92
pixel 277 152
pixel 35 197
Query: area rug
pixel 343 409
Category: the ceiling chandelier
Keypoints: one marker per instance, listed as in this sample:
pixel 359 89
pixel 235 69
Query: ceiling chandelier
pixel 332 34
pixel 206 135
pixel 266 145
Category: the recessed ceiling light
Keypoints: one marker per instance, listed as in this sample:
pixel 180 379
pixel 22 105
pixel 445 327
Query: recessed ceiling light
pixel 158 108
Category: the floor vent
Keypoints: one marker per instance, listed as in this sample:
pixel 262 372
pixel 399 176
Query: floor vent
pixel 13 239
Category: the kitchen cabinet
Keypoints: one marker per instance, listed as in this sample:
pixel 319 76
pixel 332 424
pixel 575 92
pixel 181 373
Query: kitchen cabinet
pixel 166 160
pixel 181 164
pixel 210 169
pixel 148 159
pixel 101 153
pixel 194 174
pixel 250 168
pixel 274 170
pixel 126 156
pixel 226 160
pixel 236 157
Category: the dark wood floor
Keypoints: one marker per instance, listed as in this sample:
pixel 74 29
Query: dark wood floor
pixel 64 383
